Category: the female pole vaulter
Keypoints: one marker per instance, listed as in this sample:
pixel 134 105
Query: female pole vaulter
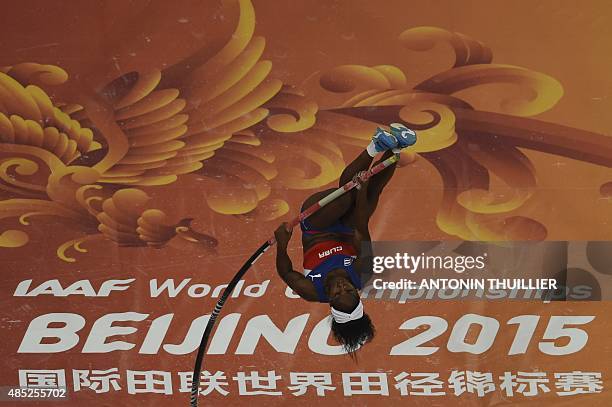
pixel 336 242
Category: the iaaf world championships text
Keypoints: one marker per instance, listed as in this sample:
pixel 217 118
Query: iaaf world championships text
pixel 171 288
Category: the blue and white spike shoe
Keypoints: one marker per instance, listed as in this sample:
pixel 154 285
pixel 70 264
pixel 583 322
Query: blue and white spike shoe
pixel 382 141
pixel 404 136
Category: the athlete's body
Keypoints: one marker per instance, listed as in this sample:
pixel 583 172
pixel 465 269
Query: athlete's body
pixel 336 242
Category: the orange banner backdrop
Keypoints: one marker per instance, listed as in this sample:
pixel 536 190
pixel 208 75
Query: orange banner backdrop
pixel 145 142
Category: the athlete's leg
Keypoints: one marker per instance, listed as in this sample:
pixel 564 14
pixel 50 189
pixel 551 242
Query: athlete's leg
pixel 375 186
pixel 405 137
pixel 342 206
pixel 339 207
pixel 377 183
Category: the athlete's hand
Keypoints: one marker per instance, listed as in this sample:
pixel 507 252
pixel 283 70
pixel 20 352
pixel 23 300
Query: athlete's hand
pixel 283 235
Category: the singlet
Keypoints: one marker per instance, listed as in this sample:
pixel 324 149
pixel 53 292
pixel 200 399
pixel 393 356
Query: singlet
pixel 330 255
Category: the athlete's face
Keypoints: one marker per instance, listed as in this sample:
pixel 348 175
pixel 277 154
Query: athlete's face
pixel 342 294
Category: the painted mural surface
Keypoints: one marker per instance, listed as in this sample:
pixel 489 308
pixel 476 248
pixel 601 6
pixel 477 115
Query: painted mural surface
pixel 148 148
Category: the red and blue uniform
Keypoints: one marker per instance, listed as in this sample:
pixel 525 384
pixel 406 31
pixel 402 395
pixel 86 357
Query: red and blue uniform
pixel 330 255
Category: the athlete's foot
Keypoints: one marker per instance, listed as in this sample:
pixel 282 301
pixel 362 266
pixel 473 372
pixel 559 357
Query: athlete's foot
pixel 382 141
pixel 405 137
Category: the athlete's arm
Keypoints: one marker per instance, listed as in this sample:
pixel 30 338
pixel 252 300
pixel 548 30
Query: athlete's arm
pixel 298 283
